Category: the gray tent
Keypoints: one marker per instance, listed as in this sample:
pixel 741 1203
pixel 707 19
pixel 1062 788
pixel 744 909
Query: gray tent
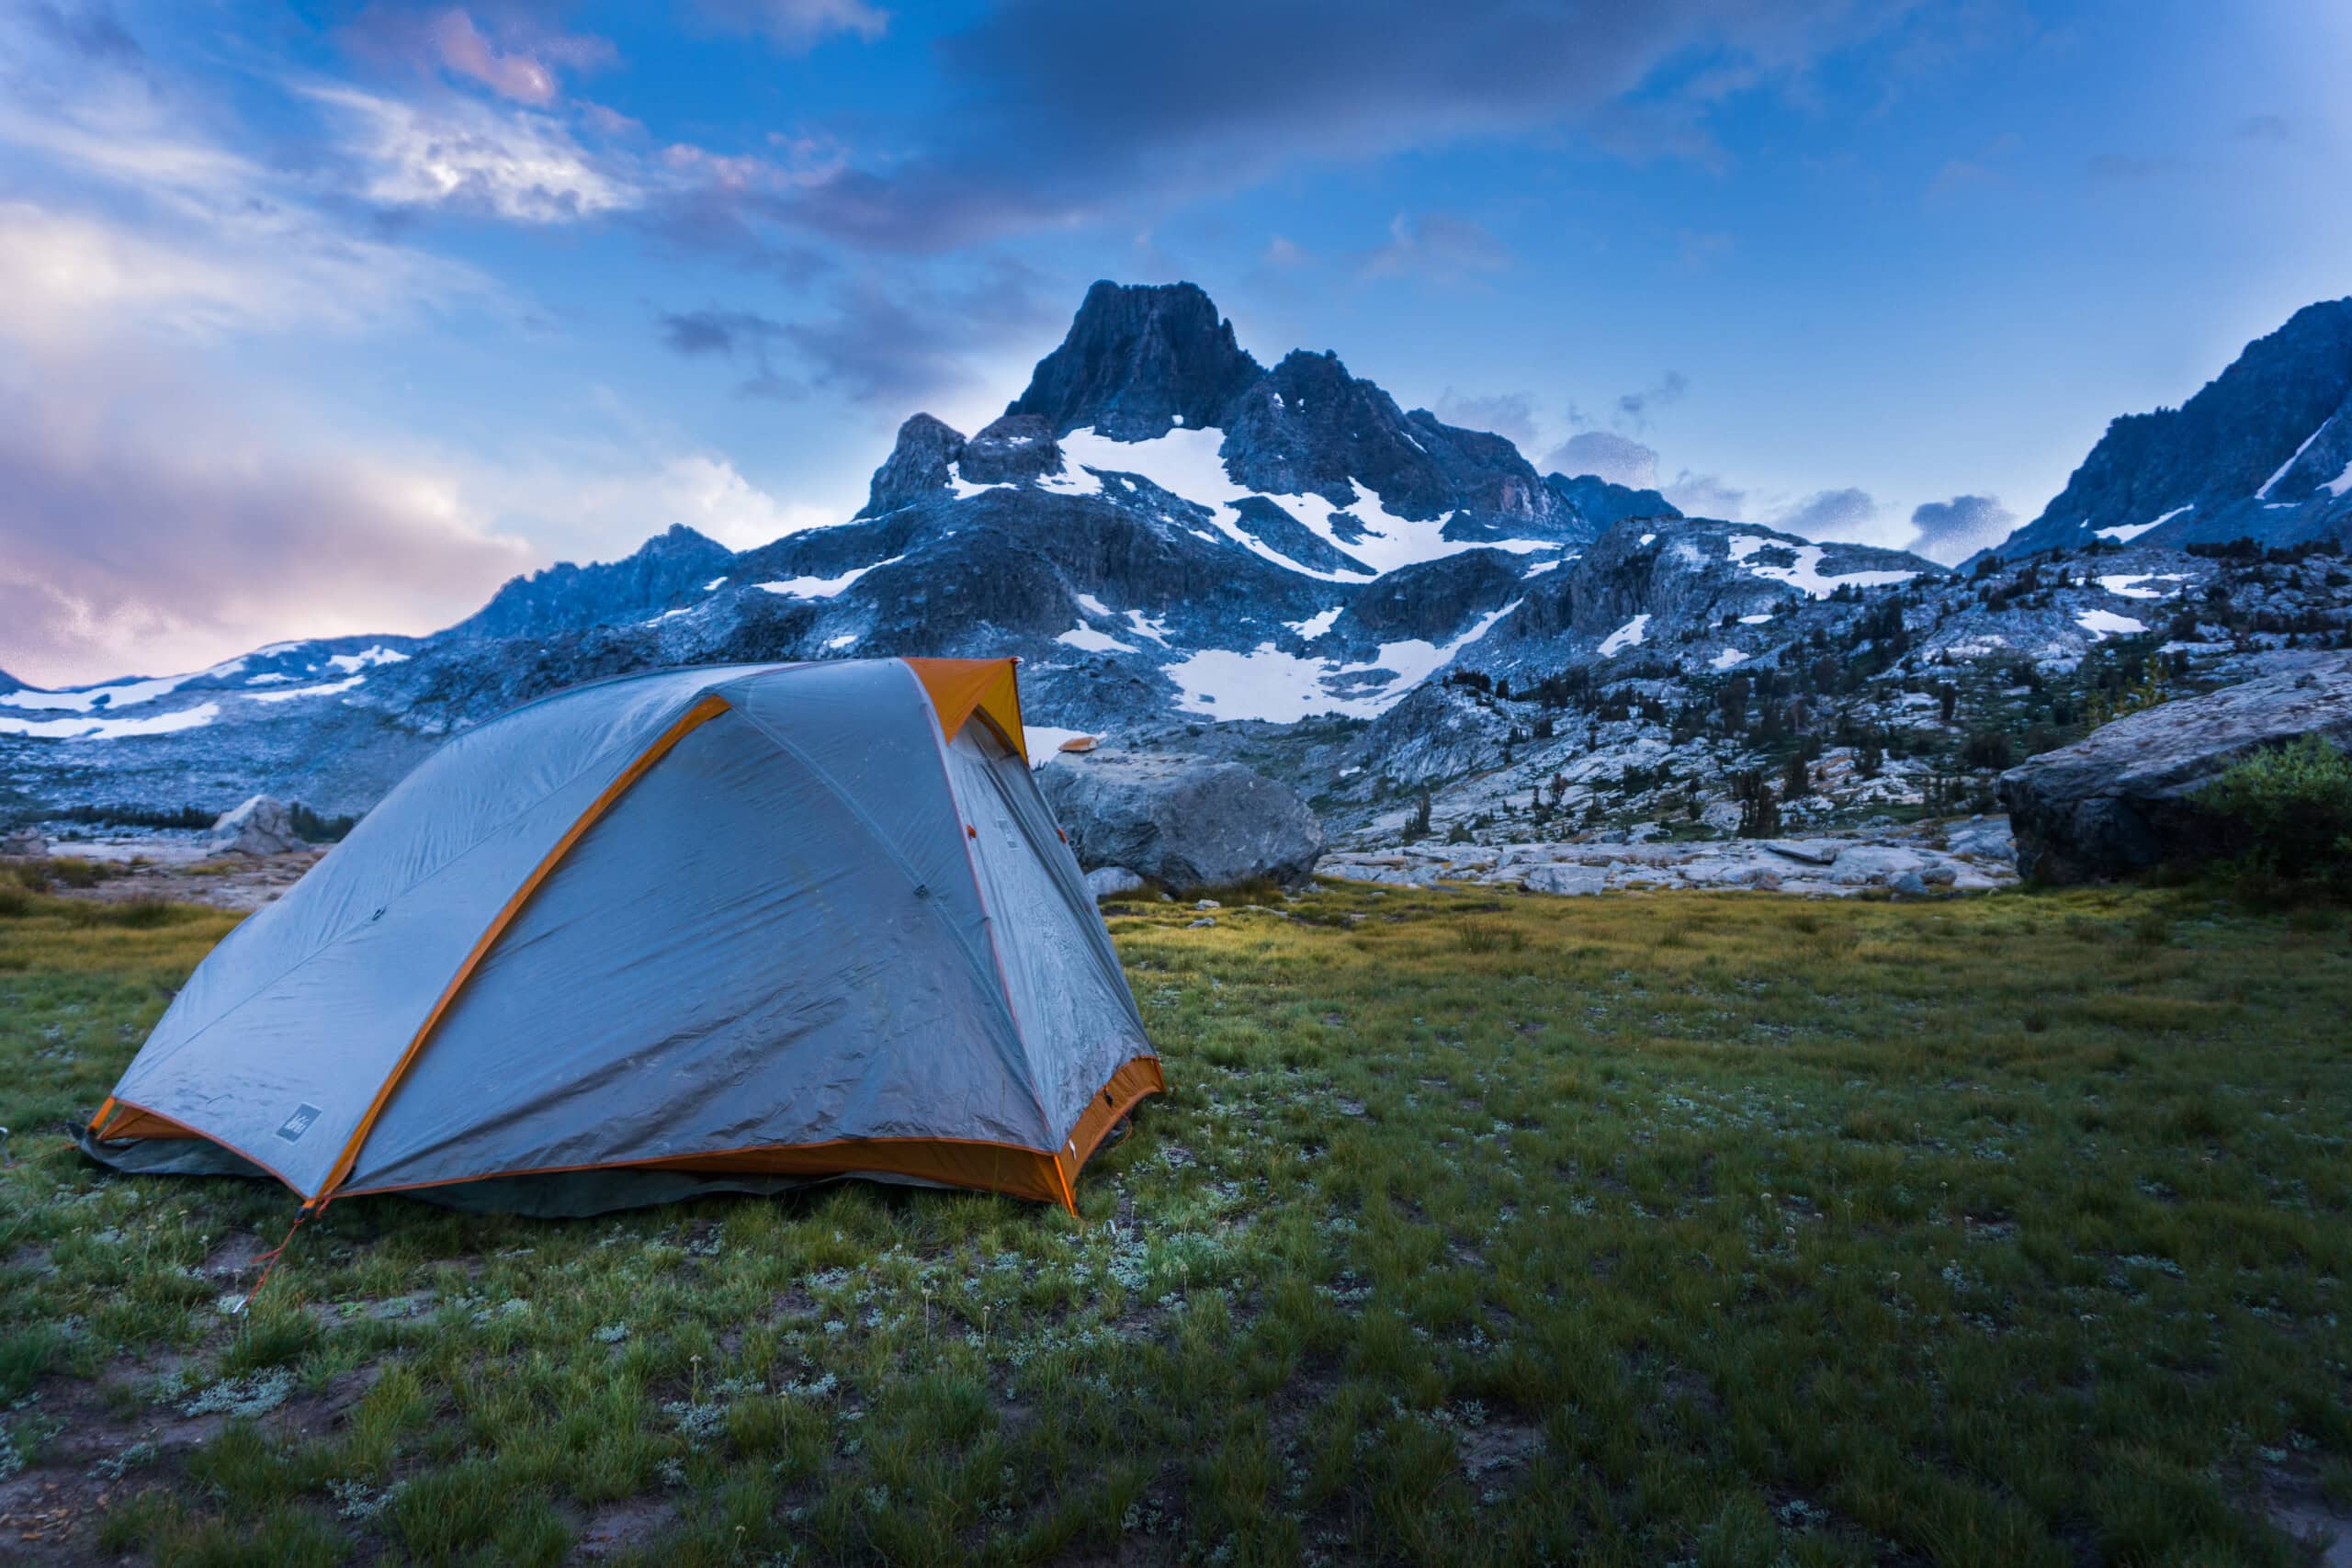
pixel 735 927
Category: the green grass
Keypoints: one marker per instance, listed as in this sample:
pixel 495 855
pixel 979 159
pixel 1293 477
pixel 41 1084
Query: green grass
pixel 1718 1229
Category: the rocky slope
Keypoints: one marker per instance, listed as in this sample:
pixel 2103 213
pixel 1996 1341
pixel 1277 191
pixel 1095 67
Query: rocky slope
pixel 2262 452
pixel 1193 551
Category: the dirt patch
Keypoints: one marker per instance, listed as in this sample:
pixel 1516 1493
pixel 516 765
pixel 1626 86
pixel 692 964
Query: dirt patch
pixel 234 1257
pixel 241 882
pixel 2322 1529
pixel 1497 1445
pixel 619 1528
pixel 45 1515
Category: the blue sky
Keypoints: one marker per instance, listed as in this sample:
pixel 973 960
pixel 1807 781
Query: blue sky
pixel 327 319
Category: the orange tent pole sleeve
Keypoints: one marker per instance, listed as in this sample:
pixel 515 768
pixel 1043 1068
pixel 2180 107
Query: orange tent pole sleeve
pixel 702 713
pixel 142 1123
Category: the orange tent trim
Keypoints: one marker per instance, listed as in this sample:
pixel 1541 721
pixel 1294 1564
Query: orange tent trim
pixel 702 713
pixel 960 687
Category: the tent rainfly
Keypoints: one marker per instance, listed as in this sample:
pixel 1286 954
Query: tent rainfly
pixel 735 928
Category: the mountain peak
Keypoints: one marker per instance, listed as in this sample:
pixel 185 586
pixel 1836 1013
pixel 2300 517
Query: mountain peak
pixel 2263 451
pixel 566 596
pixel 1138 360
pixel 679 539
pixel 918 465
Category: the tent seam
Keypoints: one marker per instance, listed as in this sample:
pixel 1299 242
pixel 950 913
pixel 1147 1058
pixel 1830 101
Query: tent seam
pixel 882 842
pixel 404 889
pixel 706 706
pixel 988 919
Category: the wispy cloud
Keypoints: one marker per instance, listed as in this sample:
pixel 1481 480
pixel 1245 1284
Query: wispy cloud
pixel 797 25
pixel 1044 119
pixel 1634 409
pixel 1438 247
pixel 518 55
pixel 159 521
pixel 743 337
pixel 519 165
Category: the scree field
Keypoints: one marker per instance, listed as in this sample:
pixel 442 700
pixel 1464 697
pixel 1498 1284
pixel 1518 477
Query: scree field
pixel 1641 1229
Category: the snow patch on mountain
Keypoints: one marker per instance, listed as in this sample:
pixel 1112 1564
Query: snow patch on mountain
pixel 115 696
pixel 1085 637
pixel 365 658
pixel 1281 688
pixel 2270 484
pixel 823 587
pixel 1629 635
pixel 1804 573
pixel 2104 623
pixel 2131 530
pixel 1186 463
pixel 110 729
pixel 327 690
pixel 2128 587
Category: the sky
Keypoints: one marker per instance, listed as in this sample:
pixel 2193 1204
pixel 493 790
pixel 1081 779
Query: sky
pixel 327 319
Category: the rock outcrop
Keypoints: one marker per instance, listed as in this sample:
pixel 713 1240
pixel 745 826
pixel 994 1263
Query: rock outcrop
pixel 2121 801
pixel 1139 361
pixel 1820 866
pixel 1180 821
pixel 666 569
pixel 262 826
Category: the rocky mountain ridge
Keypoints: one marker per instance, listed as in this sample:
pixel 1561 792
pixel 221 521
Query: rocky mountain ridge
pixel 2263 451
pixel 1188 548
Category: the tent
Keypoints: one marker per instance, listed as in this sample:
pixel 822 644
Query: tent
pixel 737 927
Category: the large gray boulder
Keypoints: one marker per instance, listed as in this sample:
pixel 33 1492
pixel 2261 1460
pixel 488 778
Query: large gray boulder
pixel 262 826
pixel 1180 821
pixel 2119 801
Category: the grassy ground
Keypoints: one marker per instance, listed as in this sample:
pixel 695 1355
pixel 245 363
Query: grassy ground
pixel 1719 1229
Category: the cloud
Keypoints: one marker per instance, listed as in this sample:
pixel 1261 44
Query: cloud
pixel 1284 253
pixel 64 273
pixel 522 166
pixel 605 501
pixel 1620 459
pixel 157 524
pixel 1510 415
pixel 1633 408
pixel 1043 118
pixel 1829 515
pixel 1438 247
pixel 2265 128
pixel 797 25
pixel 92 31
pixel 518 58
pixel 897 341
pixel 743 336
pixel 1706 495
pixel 1951 530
